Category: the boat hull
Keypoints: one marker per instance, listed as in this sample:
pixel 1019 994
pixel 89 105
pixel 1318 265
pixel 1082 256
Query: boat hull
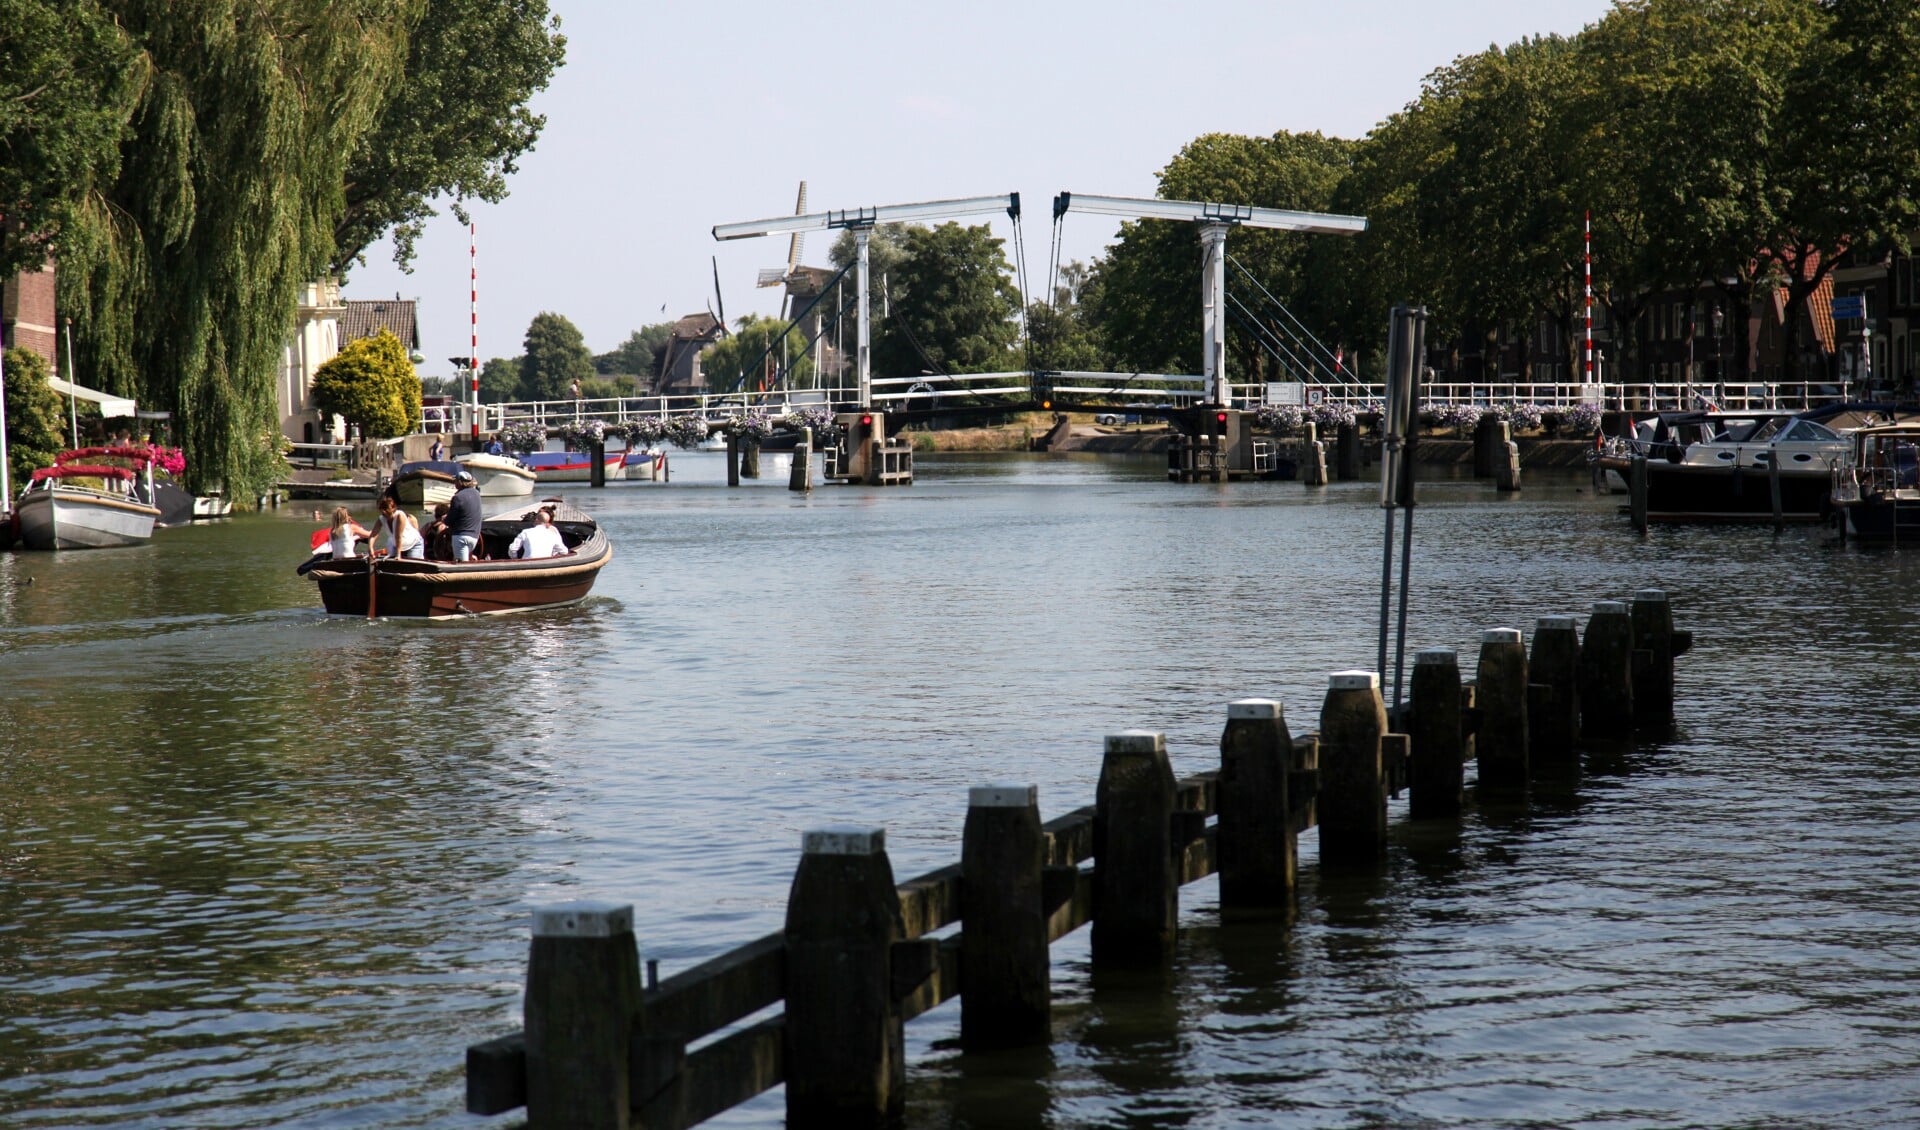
pixel 72 518
pixel 1686 492
pixel 498 476
pixel 1882 518
pixel 423 488
pixel 444 589
pixel 643 466
pixel 581 471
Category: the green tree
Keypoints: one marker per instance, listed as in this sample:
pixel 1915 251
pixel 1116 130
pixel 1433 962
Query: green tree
pixel 456 125
pixel 36 426
pixel 1148 310
pixel 556 357
pixel 499 380
pixel 635 356
pixel 182 274
pixel 750 357
pixel 371 383
pixel 953 306
pixel 66 86
pixel 1061 339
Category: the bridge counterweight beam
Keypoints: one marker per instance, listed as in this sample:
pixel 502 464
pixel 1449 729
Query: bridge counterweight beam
pixel 863 355
pixel 1213 306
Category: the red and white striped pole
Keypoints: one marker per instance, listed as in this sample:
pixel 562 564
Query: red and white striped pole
pixel 473 329
pixel 1589 265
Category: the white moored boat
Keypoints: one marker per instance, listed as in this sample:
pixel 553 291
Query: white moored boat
pixel 499 476
pixel 62 508
pixel 645 465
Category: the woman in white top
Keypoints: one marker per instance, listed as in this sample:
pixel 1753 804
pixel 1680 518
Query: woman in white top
pixel 400 529
pixel 345 532
pixel 539 539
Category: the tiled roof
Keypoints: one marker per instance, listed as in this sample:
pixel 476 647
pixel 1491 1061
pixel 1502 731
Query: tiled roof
pixel 365 318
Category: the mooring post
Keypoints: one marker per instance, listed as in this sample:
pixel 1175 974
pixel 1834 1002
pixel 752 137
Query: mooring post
pixel 1606 673
pixel 1483 446
pixel 1653 635
pixel 1136 901
pixel 733 460
pixel 749 460
pixel 1257 848
pixel 1553 703
pixel 597 460
pixel 582 1013
pixel 1346 448
pixel 1435 727
pixel 1004 960
pixel 1773 491
pixel 844 1038
pixel 1353 786
pixel 1637 492
pixel 800 476
pixel 1501 678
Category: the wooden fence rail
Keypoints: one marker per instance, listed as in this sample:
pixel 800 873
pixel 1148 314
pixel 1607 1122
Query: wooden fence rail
pixel 857 957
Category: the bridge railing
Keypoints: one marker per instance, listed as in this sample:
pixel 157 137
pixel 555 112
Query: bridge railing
pixel 937 390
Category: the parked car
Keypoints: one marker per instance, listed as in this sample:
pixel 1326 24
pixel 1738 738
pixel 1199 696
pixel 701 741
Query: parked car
pixel 1107 418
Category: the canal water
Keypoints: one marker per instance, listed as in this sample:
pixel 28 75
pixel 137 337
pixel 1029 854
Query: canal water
pixel 259 867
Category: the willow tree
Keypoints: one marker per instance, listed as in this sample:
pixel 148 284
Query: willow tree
pixel 184 272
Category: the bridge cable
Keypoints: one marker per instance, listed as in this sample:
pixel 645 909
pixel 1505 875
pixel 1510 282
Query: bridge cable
pixel 1299 326
pixel 1020 276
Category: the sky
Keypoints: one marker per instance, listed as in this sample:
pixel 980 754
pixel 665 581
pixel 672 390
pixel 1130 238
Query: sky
pixel 670 118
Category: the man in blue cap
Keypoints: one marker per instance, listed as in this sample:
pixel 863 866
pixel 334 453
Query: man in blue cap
pixel 463 515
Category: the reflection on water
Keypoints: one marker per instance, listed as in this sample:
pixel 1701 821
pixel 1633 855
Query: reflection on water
pixel 259 867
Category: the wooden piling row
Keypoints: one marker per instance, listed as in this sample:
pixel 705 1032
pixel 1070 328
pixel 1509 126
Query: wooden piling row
pixel 857 957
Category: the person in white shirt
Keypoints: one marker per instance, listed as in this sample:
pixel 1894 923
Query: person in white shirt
pixel 400 529
pixel 540 539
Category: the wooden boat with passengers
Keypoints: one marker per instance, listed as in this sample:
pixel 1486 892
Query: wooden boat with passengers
pixel 492 582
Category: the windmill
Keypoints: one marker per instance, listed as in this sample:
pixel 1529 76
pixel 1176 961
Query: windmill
pixel 791 273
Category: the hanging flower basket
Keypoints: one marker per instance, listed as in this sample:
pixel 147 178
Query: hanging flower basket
pixel 523 438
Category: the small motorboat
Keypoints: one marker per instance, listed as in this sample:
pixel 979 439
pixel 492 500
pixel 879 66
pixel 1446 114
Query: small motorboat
pixel 490 583
pixel 83 506
pixel 645 465
pixel 1877 496
pixel 425 483
pixel 572 466
pixel 1719 466
pixel 499 476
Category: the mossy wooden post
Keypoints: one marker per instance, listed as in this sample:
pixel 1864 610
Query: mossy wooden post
pixel 800 477
pixel 749 460
pixel 1553 708
pixel 1502 682
pixel 1506 465
pixel 733 460
pixel 1606 673
pixel 1435 729
pixel 1346 450
pixel 1004 959
pixel 582 1013
pixel 845 1061
pixel 597 463
pixel 1257 848
pixel 1136 899
pixel 1653 640
pixel 1353 787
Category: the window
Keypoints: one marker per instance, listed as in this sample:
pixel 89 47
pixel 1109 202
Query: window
pixel 1903 281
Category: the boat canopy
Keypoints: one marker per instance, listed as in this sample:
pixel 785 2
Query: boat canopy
pixel 82 470
pixel 111 406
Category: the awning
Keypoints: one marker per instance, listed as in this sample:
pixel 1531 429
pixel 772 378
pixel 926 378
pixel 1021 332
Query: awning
pixel 111 407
